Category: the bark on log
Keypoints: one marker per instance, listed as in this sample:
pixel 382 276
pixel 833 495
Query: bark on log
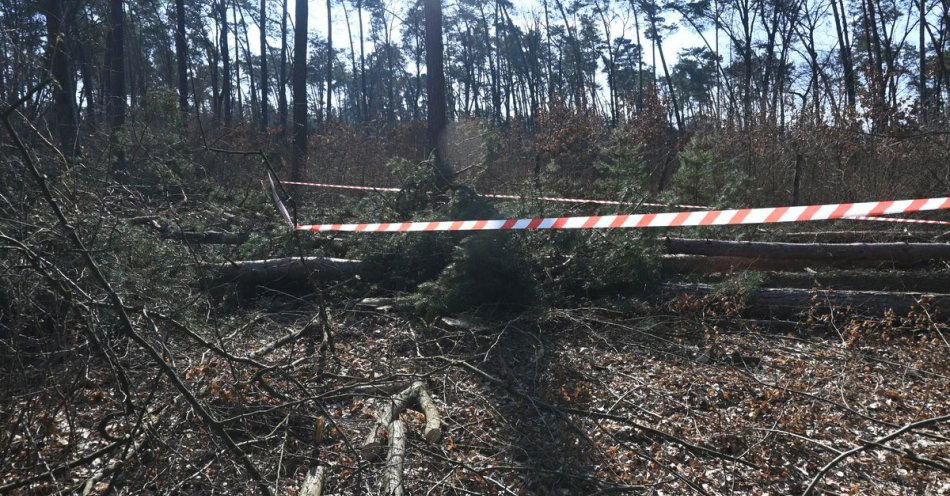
pixel 916 252
pixel 392 477
pixel 701 264
pixel 416 394
pixel 288 270
pixel 313 483
pixel 373 444
pixel 433 429
pixel 786 302
pixel 868 236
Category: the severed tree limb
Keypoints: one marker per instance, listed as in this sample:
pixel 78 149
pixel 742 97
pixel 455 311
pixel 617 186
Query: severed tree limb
pixel 881 440
pixel 314 482
pixel 417 394
pixel 433 429
pixel 373 444
pixel 392 476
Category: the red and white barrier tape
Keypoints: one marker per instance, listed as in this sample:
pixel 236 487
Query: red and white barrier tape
pixel 669 219
pixel 492 195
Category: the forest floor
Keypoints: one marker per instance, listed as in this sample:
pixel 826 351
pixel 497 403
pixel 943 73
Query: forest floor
pixel 567 401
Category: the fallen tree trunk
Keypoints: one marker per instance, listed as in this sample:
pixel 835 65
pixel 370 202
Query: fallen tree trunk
pixel 702 264
pixel 257 272
pixel 855 280
pixel 290 270
pixel 788 302
pixel 916 252
pixel 868 236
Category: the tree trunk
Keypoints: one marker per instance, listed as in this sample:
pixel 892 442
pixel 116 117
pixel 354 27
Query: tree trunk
pixel 181 54
pixel 116 83
pixel 264 78
pixel 363 102
pixel 922 48
pixel 329 60
pixel 225 63
pixel 435 87
pixel 300 89
pixel 58 27
pixel 844 48
pixel 282 90
pixel 669 80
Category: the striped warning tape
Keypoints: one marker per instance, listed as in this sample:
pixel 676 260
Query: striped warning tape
pixel 498 196
pixel 670 219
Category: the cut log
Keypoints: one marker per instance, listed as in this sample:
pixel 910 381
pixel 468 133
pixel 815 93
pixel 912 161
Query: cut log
pixel 416 394
pixel 787 302
pixel 313 483
pixel 433 429
pixel 392 477
pixel 276 270
pixel 373 445
pixel 916 252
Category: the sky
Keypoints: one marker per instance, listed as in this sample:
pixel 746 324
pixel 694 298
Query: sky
pixel 523 13
pixel 526 11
